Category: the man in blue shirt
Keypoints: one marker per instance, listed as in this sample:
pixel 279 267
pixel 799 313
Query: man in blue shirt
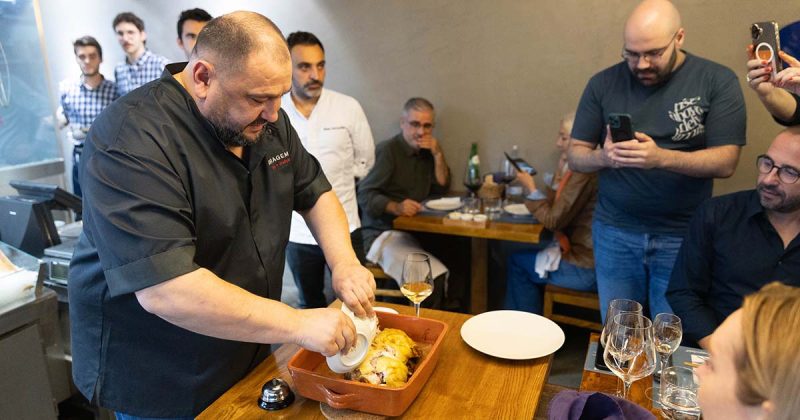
pixel 140 65
pixel 81 100
pixel 689 120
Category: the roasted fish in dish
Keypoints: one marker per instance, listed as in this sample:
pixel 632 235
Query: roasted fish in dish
pixel 390 361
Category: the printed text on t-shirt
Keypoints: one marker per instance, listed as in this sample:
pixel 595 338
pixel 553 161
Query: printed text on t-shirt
pixel 689 116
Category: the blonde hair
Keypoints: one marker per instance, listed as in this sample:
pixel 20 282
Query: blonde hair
pixel 769 365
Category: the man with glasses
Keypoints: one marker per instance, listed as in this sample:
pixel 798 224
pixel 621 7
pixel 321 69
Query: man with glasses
pixel 689 121
pixel 739 242
pixel 409 167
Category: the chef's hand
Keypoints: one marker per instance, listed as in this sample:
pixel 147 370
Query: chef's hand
pixel 325 330
pixel 355 286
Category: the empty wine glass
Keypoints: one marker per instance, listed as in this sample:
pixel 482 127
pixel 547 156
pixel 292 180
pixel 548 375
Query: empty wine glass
pixel 667 333
pixel 630 351
pixel 417 278
pixel 615 307
pixel 678 396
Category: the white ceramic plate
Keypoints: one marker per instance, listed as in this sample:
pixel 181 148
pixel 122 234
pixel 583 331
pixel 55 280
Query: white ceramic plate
pixel 444 204
pixel 384 309
pixel 517 209
pixel 512 335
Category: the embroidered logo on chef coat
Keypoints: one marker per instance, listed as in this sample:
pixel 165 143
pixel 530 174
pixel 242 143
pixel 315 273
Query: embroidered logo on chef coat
pixel 281 159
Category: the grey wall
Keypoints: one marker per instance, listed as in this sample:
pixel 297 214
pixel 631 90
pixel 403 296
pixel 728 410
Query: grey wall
pixel 500 73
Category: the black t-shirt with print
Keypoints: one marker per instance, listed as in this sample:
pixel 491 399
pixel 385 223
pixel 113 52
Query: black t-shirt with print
pixel 699 106
pixel 162 198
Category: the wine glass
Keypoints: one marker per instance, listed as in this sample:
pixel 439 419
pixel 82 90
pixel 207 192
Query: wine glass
pixel 417 278
pixel 678 396
pixel 472 179
pixel 615 307
pixel 630 351
pixel 667 332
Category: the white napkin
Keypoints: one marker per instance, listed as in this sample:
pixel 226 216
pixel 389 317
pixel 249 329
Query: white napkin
pixel 548 259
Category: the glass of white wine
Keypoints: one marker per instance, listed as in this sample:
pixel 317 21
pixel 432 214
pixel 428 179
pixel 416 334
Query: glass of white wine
pixel 417 278
pixel 667 332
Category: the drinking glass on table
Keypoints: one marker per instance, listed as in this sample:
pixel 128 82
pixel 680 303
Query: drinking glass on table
pixel 667 332
pixel 630 351
pixel 678 395
pixel 417 278
pixel 615 307
pixel 472 180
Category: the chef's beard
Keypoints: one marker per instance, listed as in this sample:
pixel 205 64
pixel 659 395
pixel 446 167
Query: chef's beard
pixel 233 137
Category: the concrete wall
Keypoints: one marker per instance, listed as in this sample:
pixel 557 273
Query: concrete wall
pixel 500 73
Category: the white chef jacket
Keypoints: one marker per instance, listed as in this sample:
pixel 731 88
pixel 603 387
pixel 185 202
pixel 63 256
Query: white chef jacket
pixel 338 135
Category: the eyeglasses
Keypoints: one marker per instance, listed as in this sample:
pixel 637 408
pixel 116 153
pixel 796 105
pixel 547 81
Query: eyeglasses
pixel 416 125
pixel 786 174
pixel 649 56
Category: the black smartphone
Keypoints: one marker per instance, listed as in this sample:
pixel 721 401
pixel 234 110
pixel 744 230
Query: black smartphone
pixel 766 43
pixel 520 164
pixel 599 362
pixel 620 126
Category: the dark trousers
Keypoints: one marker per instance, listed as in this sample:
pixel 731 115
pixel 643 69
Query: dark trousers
pixel 308 266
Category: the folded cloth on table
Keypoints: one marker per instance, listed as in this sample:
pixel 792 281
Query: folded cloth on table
pixel 390 249
pixel 574 405
pixel 548 259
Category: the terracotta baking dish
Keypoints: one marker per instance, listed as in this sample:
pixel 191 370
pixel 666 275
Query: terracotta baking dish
pixel 314 380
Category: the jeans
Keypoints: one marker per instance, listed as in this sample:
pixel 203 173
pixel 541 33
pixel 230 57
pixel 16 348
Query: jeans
pixel 308 266
pixel 524 288
pixel 121 416
pixel 633 266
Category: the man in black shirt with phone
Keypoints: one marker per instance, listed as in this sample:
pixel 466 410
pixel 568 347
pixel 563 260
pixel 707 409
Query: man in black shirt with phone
pixel 688 118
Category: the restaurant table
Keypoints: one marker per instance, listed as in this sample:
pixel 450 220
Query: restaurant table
pixel 607 382
pixel 518 232
pixel 465 382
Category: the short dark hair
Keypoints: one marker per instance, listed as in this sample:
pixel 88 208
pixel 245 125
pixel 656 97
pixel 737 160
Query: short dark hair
pixel 87 41
pixel 129 18
pixel 197 14
pixel 303 38
pixel 231 39
pixel 420 104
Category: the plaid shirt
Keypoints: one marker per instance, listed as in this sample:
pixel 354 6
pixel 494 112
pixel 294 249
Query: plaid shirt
pixel 147 68
pixel 81 104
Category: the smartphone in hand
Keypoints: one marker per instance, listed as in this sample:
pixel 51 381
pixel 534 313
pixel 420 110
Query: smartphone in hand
pixel 620 126
pixel 520 164
pixel 767 44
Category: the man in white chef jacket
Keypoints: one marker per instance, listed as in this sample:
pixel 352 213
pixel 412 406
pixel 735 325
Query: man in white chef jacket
pixel 334 129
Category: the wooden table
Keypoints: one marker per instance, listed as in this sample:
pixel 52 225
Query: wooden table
pixel 607 382
pixel 479 292
pixel 464 383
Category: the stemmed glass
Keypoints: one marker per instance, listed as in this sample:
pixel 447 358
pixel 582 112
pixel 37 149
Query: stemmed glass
pixel 678 395
pixel 667 332
pixel 417 278
pixel 615 307
pixel 472 179
pixel 630 351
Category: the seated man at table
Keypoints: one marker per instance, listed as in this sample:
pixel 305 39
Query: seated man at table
pixel 567 210
pixel 408 168
pixel 738 242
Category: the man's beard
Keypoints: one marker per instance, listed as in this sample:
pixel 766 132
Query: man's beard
pixel 232 137
pixel 786 204
pixel 661 76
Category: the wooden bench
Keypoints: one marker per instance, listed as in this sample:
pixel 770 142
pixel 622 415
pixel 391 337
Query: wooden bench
pixel 587 300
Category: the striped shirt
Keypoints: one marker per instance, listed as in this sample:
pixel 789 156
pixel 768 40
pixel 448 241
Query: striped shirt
pixel 81 104
pixel 147 68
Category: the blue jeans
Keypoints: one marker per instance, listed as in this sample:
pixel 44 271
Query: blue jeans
pixel 633 266
pixel 525 289
pixel 121 416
